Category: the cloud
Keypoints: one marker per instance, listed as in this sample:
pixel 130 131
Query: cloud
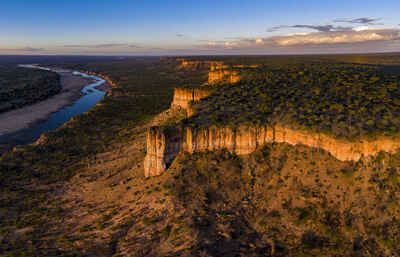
pixel 135 46
pixel 23 49
pixel 370 21
pixel 360 40
pixel 330 27
pixel 320 28
pixel 180 35
pixel 215 41
pixel 337 37
pixel 329 34
pixel 259 41
pixel 95 46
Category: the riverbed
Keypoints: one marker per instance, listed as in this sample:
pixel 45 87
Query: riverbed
pixel 80 92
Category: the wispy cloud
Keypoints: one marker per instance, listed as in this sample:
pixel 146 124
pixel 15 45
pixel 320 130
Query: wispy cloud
pixel 135 46
pixel 319 41
pixel 320 28
pixel 338 37
pixel 369 21
pixel 96 46
pixel 330 27
pixel 214 41
pixel 23 49
pixel 109 45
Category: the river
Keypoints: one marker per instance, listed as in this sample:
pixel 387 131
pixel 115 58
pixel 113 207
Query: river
pixel 90 96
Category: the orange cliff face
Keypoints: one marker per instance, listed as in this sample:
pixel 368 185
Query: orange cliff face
pixel 215 76
pixel 244 140
pixel 195 65
pixel 163 145
pixel 183 96
pixel 224 73
pixel 242 66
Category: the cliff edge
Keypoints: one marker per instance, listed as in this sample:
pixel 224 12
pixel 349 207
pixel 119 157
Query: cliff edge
pixel 164 144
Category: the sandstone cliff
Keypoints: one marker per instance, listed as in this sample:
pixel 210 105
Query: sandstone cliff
pixel 195 65
pixel 183 96
pixel 230 76
pixel 162 147
pixel 243 66
pixel 220 72
pixel 245 139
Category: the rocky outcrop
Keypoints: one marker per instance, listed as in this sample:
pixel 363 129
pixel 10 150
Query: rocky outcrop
pixel 225 73
pixel 196 65
pixel 219 66
pixel 222 66
pixel 244 140
pixel 163 145
pixel 183 96
pixel 212 65
pixel 243 66
pixel 230 76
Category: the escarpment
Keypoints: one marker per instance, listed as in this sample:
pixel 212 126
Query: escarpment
pixel 226 73
pixel 218 70
pixel 163 145
pixel 222 73
pixel 230 76
pixel 183 96
pixel 244 139
pixel 195 65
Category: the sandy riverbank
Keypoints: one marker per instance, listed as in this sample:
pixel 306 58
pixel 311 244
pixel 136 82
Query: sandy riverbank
pixel 27 116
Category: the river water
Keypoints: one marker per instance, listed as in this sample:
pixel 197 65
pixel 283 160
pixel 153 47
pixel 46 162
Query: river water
pixel 89 98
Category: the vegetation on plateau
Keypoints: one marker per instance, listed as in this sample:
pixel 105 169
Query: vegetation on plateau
pixel 346 100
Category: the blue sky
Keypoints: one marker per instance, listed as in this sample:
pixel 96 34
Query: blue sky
pixel 162 27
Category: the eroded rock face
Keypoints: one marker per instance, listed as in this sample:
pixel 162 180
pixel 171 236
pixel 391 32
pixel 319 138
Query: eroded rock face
pixel 220 72
pixel 163 145
pixel 244 140
pixel 183 96
pixel 230 76
pixel 195 65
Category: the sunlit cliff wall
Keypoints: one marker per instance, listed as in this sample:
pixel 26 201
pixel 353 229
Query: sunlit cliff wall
pixel 220 72
pixel 223 75
pixel 195 65
pixel 245 139
pixel 183 96
pixel 163 144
